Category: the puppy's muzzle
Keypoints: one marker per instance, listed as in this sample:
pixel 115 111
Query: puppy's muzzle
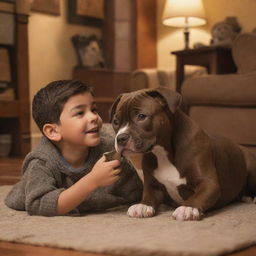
pixel 122 139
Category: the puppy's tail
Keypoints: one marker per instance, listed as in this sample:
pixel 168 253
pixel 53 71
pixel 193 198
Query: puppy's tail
pixel 250 159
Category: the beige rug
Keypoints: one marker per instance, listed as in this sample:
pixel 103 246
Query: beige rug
pixel 224 231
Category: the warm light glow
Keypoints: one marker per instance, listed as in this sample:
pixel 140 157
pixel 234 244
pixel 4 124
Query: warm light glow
pixel 184 13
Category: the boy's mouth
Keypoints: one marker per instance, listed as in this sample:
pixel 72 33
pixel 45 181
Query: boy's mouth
pixel 93 130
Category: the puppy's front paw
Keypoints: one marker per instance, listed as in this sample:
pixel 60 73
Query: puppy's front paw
pixel 186 213
pixel 141 211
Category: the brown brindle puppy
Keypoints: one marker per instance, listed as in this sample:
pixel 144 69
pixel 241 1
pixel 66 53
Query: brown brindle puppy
pixel 176 159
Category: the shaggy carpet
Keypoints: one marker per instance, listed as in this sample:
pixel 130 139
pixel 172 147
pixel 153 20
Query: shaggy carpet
pixel 112 232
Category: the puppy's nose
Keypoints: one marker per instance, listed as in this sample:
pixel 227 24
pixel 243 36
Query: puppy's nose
pixel 122 139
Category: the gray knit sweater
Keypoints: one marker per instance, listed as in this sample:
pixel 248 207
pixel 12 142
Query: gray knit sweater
pixel 46 175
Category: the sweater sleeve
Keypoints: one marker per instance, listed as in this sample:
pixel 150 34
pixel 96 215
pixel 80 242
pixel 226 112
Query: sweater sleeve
pixel 41 191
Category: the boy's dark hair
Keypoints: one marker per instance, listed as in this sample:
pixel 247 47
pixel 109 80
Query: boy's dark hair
pixel 48 102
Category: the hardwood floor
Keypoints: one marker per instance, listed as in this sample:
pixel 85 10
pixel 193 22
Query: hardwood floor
pixel 13 249
pixel 10 174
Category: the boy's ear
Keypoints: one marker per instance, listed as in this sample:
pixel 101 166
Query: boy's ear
pixel 51 131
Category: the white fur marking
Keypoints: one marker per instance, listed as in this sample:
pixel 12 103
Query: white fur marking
pixel 167 174
pixel 141 211
pixel 140 174
pixel 124 129
pixel 186 213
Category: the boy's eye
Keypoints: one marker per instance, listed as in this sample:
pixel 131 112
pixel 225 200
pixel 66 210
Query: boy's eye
pixel 80 113
pixel 95 110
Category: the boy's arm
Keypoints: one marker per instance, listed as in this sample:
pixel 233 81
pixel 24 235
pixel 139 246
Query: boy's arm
pixel 41 190
pixel 102 174
pixel 44 197
pixel 75 195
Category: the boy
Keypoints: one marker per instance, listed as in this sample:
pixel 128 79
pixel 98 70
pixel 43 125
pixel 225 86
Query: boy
pixel 66 172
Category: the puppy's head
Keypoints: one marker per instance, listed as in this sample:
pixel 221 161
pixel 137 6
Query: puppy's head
pixel 142 118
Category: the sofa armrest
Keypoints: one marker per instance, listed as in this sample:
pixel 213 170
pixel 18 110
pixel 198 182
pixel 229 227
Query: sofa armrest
pixel 244 52
pixel 152 78
pixel 231 90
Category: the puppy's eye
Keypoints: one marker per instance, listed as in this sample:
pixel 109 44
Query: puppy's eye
pixel 115 122
pixel 141 117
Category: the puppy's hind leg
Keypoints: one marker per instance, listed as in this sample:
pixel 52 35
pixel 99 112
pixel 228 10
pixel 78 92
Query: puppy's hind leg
pixel 250 190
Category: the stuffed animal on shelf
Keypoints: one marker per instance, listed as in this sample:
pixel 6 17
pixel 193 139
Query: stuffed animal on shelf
pixel 223 33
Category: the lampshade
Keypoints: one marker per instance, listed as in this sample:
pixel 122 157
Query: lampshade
pixel 183 13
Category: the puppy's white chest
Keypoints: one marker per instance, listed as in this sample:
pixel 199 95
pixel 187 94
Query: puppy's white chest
pixel 167 174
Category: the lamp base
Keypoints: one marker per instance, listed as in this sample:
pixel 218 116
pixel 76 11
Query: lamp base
pixel 186 38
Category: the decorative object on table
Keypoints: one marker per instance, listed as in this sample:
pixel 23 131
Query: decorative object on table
pixel 88 50
pixel 51 7
pixel 86 12
pixel 224 32
pixel 185 14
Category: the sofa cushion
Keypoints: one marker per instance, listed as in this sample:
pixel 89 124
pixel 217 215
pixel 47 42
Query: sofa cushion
pixel 231 90
pixel 234 123
pixel 244 52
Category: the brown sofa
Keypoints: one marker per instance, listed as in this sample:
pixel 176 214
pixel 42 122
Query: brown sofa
pixel 226 104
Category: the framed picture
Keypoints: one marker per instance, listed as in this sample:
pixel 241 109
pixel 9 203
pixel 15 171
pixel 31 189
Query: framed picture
pixel 86 12
pixel 51 7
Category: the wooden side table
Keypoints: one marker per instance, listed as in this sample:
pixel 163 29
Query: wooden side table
pixel 217 60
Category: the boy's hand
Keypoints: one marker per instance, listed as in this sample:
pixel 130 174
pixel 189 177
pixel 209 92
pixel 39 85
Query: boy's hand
pixel 105 173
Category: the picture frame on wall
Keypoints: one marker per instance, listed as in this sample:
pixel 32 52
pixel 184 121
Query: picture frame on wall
pixel 51 7
pixel 86 12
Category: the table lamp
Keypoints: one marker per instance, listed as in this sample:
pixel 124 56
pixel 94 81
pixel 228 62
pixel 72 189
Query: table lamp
pixel 185 14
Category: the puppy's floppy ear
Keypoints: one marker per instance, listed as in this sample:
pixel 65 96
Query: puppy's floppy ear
pixel 166 95
pixel 112 109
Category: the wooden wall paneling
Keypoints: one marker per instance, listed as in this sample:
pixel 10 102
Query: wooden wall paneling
pixel 136 45
pixel 22 80
pixel 142 33
pixel 108 34
pixel 146 33
pixel 108 84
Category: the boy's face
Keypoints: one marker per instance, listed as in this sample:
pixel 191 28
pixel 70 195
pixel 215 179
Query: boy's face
pixel 80 122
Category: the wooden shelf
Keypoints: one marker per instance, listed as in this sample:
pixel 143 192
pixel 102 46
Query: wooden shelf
pixel 9 108
pixel 6 7
pixel 15 114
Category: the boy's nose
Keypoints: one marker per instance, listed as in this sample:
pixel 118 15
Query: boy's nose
pixel 93 116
